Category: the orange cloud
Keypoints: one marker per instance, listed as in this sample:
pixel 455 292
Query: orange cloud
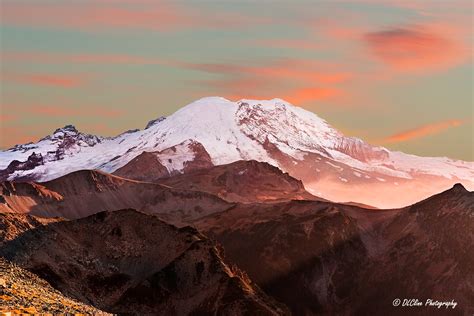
pixel 308 71
pixel 422 131
pixel 54 58
pixel 298 44
pixel 420 7
pixel 99 15
pixel 10 136
pixel 417 48
pixel 89 15
pixel 270 80
pixel 299 96
pixel 46 79
pixel 309 75
pixel 57 111
pixel 6 118
pixel 115 59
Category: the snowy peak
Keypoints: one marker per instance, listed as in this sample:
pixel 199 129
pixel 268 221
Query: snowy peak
pixel 208 107
pixel 63 132
pixel 217 131
pixel 292 130
pixel 64 142
pixel 67 129
pixel 69 134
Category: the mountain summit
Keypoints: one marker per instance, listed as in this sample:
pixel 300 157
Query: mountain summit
pixel 297 141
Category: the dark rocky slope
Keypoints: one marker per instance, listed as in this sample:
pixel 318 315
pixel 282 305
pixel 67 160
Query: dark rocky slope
pixel 129 262
pixel 243 181
pixel 326 258
pixel 86 192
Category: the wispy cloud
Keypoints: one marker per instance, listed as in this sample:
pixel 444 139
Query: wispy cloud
pixel 309 80
pixel 12 135
pixel 62 111
pixel 80 58
pixel 303 95
pixel 90 15
pixel 422 131
pixel 297 44
pixel 62 81
pixel 100 15
pixel 7 118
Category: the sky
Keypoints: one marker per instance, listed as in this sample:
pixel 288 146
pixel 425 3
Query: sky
pixel 395 73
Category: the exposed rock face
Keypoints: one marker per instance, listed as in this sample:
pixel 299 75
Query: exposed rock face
pixel 242 181
pixel 83 193
pixel 64 142
pixel 155 121
pixel 133 263
pixel 22 292
pixel 201 159
pixel 325 258
pixel 33 161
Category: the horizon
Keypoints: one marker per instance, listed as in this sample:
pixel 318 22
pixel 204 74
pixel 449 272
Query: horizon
pixel 396 74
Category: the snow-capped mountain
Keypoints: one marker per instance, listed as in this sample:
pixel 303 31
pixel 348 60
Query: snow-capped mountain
pixel 297 141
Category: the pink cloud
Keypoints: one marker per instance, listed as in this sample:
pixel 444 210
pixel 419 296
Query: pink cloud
pixel 303 95
pixel 243 81
pixel 424 130
pixel 12 135
pixel 89 15
pixel 285 69
pixel 62 111
pixel 7 118
pixel 298 44
pixel 83 58
pixel 62 81
pixel 96 16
